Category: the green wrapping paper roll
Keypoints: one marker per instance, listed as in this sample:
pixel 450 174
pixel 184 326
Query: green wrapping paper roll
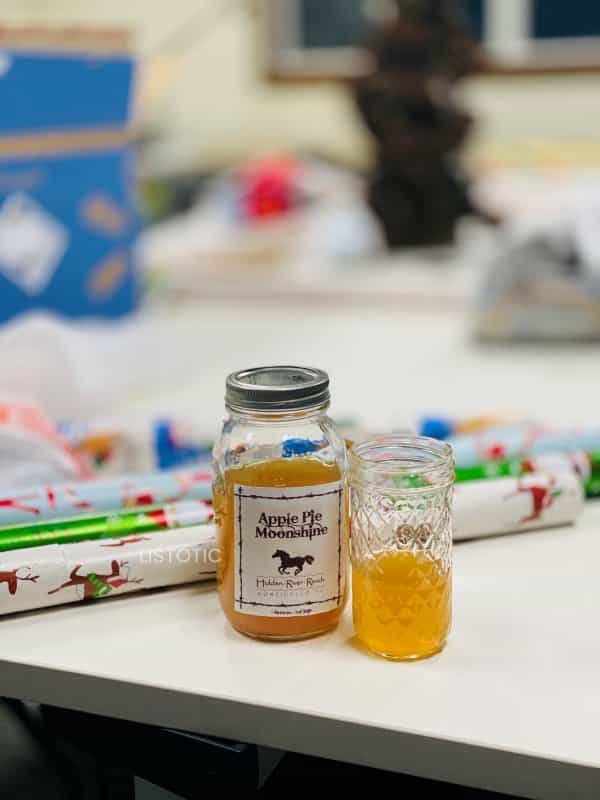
pixel 121 523
pixel 586 465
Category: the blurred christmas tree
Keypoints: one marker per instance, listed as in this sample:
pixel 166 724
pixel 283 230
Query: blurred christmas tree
pixel 418 188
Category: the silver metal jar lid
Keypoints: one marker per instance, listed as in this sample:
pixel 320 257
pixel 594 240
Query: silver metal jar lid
pixel 277 388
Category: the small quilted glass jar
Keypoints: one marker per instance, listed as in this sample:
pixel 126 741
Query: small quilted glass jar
pixel 401 535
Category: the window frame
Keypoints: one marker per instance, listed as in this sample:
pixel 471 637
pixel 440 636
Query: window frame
pixel 511 51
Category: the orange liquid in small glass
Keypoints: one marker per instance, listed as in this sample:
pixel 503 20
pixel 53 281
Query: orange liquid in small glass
pixel 277 473
pixel 401 604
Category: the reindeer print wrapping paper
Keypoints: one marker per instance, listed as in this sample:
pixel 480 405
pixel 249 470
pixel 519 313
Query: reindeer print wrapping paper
pixel 56 574
pixel 509 505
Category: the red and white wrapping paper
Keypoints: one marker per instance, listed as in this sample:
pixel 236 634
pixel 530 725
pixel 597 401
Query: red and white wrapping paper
pixel 39 577
pixel 508 505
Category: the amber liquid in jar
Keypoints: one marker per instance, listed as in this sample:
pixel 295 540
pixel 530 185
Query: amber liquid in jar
pixel 276 473
pixel 402 605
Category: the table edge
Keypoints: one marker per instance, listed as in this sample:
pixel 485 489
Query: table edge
pixel 398 751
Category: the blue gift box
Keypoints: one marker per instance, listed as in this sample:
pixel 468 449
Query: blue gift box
pixel 68 218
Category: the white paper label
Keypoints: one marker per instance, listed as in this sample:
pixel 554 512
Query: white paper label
pixel 289 553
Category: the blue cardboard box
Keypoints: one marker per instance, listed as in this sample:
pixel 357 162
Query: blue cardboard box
pixel 78 90
pixel 67 234
pixel 68 218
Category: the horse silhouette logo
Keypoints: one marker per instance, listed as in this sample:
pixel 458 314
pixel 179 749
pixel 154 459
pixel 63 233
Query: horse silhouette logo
pixel 291 562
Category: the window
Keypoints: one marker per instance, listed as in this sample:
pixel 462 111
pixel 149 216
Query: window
pixel 543 35
pixel 474 14
pixel 312 39
pixel 339 24
pixel 559 19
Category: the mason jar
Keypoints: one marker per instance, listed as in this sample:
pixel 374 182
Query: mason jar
pixel 280 504
pixel 401 534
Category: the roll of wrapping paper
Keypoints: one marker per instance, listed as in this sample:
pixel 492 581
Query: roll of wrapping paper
pixel 510 505
pixel 89 497
pixel 524 440
pixel 585 465
pixel 56 574
pixel 125 522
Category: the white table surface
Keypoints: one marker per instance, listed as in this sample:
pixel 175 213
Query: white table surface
pixel 513 704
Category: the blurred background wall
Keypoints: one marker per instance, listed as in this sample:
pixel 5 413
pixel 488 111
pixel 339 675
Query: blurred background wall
pixel 212 104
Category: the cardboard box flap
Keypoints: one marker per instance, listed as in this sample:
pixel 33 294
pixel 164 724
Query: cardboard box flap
pixel 47 87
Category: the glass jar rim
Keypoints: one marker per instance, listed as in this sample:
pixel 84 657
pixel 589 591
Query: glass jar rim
pixel 276 388
pixel 386 456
